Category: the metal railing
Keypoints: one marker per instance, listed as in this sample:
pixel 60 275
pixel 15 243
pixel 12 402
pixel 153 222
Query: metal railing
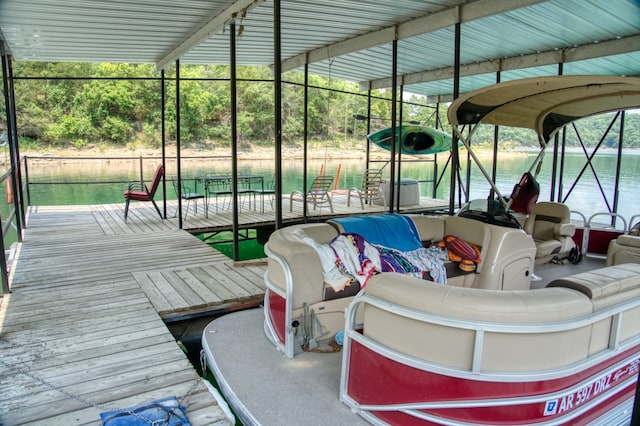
pixel 7 223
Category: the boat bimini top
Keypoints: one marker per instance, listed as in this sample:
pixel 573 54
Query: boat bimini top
pixel 544 104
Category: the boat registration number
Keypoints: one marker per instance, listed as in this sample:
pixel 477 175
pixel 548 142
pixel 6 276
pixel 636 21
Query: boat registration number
pixel 591 389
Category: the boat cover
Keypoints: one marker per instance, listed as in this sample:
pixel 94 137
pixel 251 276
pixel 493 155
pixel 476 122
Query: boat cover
pixel 545 104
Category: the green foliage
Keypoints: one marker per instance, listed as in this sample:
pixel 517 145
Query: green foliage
pixel 27 143
pixel 115 129
pixel 150 136
pixel 70 128
pixel 76 104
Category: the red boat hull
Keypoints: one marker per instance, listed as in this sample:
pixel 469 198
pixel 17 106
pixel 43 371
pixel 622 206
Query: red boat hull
pixel 277 314
pixel 576 397
pixel 598 240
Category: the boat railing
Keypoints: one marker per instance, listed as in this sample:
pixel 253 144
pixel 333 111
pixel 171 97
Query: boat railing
pixel 480 329
pixel 283 339
pixel 598 247
pixel 582 216
pixel 589 227
pixel 613 216
pixel 633 224
pixel 584 227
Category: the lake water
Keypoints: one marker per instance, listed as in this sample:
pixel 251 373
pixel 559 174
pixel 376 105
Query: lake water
pixel 586 197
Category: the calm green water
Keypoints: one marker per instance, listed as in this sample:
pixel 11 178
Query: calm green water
pixel 585 197
pixel 248 246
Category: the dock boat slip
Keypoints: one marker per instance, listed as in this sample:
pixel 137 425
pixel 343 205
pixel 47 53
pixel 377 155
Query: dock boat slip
pixel 482 348
pixel 471 336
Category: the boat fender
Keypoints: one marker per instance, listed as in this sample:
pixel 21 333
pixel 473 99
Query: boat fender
pixel 9 191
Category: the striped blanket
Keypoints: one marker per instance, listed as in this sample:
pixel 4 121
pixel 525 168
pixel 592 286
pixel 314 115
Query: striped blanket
pixel 350 256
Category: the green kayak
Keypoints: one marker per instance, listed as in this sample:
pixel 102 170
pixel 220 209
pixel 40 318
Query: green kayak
pixel 416 140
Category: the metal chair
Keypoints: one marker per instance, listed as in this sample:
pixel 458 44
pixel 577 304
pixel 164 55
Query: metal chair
pixel 319 193
pixel 245 189
pixel 268 190
pixel 370 189
pixel 186 194
pixel 139 191
pixel 218 186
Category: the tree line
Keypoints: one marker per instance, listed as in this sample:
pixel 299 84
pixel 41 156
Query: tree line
pixel 84 104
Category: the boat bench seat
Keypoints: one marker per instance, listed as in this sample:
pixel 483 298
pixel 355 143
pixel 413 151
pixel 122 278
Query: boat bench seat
pixel 604 286
pixel 295 279
pixel 449 345
pixel 442 337
pixel 506 254
pixel 607 287
pixel 624 249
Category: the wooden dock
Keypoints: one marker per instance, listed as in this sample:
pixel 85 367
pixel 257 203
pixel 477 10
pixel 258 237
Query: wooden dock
pixel 142 216
pixel 82 331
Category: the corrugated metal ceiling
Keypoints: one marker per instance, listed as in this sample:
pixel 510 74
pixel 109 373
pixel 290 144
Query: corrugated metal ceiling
pixel 343 39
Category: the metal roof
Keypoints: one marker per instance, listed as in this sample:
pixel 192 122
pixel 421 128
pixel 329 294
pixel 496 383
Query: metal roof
pixel 341 39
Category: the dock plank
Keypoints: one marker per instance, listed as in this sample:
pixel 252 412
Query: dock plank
pixel 78 333
pixel 198 287
pixel 234 276
pixel 174 297
pixel 155 295
pixel 213 284
pixel 191 298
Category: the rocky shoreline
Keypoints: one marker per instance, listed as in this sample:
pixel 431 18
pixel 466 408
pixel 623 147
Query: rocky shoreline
pixel 255 153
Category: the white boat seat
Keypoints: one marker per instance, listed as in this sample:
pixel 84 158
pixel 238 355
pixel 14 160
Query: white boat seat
pixel 624 249
pixel 548 224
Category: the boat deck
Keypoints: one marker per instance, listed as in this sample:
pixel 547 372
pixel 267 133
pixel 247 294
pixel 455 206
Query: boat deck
pixel 302 391
pixel 82 331
pixel 305 389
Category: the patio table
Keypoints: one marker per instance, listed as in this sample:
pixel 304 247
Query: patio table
pixel 221 184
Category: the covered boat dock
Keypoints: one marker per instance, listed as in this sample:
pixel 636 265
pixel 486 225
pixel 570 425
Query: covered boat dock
pixel 436 49
pixel 82 325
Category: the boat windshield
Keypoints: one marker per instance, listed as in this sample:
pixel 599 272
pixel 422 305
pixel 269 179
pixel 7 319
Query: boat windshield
pixel 489 211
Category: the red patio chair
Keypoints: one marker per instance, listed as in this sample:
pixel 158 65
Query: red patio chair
pixel 139 191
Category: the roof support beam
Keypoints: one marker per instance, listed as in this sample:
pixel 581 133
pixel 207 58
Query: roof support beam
pixel 341 48
pixel 589 51
pixel 425 24
pixel 217 24
pixel 604 48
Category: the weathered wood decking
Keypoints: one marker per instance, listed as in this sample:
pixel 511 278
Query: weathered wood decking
pixel 252 215
pixel 82 330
